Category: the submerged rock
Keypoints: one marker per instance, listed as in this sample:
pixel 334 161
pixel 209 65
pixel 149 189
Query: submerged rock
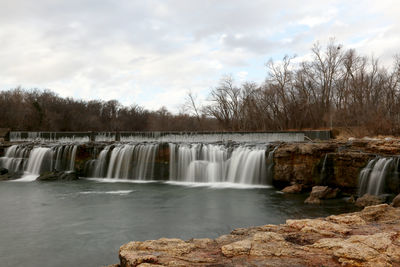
pixel 367 238
pixel 10 176
pixel 58 176
pixel 321 192
pixel 3 171
pixel 369 200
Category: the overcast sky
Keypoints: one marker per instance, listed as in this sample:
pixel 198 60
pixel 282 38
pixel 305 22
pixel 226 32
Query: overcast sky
pixel 152 52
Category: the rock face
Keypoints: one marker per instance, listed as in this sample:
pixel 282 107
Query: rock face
pixel 367 238
pixel 369 200
pixel 321 192
pixel 330 163
pixel 58 176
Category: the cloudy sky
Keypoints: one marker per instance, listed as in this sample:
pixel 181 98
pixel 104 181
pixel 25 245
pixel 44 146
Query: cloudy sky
pixel 151 52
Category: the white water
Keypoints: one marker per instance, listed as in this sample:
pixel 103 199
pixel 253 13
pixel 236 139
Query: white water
pixel 117 192
pixel 49 137
pixel 212 137
pixel 129 161
pixel 185 137
pixel 15 158
pixel 209 163
pixel 188 163
pixel 104 137
pixel 36 162
pixel 178 183
pixel 372 178
pixel 33 161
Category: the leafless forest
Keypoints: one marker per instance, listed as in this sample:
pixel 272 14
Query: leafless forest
pixel 335 87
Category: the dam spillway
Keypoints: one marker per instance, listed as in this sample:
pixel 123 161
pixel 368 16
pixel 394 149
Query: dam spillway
pixel 239 163
pixel 206 157
pixel 189 162
pixel 308 163
pixel 262 137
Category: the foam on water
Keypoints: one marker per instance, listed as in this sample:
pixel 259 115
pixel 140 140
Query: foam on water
pixel 178 183
pixel 112 180
pixel 117 192
pixel 26 178
pixel 217 185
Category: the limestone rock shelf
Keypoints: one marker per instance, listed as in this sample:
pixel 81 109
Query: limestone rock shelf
pixel 370 237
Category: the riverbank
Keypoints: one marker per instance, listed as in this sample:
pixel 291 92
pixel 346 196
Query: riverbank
pixel 370 237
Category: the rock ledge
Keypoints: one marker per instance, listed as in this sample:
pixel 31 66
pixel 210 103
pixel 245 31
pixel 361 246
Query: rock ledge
pixel 370 237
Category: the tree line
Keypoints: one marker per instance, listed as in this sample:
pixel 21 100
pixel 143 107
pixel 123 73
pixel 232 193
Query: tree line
pixel 335 87
pixel 43 110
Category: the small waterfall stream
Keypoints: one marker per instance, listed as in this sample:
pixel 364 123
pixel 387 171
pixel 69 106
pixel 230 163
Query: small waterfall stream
pixel 373 177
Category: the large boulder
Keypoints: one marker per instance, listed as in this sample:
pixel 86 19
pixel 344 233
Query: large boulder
pixel 58 176
pixel 321 192
pixel 369 200
pixel 396 201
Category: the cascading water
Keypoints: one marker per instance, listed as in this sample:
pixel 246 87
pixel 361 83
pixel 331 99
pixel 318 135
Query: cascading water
pixel 373 177
pixel 129 161
pixel 33 161
pixel 199 163
pixel 188 162
pixel 209 163
pixel 39 160
pixel 15 158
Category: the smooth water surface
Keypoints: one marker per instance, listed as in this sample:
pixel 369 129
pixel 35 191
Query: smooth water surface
pixel 84 223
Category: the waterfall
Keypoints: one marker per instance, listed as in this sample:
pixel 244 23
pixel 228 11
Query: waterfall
pixel 15 158
pixel 39 160
pixel 72 158
pixel 36 160
pixel 188 162
pixel 372 178
pixel 210 163
pixel 322 176
pixel 200 163
pixel 126 161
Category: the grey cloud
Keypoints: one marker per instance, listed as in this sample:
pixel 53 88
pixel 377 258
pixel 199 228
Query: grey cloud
pixel 168 44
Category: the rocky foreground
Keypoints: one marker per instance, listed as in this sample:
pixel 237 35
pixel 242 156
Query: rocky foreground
pixel 370 237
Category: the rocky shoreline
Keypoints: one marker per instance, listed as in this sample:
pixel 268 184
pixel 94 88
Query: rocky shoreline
pixel 370 237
